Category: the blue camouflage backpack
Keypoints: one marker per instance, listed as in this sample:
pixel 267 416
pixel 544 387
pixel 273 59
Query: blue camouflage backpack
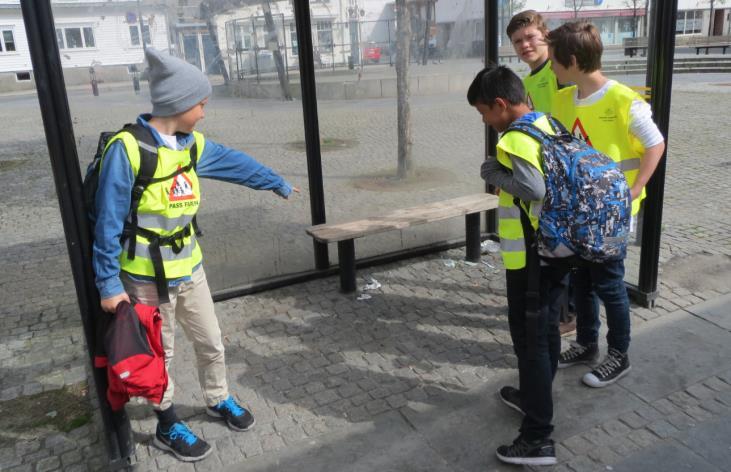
pixel 587 207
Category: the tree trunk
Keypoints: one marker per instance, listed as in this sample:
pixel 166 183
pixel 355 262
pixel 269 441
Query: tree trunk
pixel 403 46
pixel 272 39
pixel 213 34
pixel 710 21
pixel 427 31
pixel 644 19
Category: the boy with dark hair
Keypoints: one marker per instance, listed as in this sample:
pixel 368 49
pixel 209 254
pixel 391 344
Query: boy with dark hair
pixel 616 121
pixel 149 254
pixel 498 95
pixel 527 32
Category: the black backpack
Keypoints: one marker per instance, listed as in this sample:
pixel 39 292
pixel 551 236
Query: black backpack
pixel 148 164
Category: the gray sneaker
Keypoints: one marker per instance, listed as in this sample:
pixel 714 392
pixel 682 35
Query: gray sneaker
pixel 578 354
pixel 613 367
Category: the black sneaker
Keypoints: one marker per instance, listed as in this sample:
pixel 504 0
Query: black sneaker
pixel 511 397
pixel 237 417
pixel 578 354
pixel 539 452
pixel 181 441
pixel 613 367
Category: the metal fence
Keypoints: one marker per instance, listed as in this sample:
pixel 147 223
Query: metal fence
pixel 252 45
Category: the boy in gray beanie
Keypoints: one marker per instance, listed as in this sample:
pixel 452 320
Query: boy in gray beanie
pixel 145 247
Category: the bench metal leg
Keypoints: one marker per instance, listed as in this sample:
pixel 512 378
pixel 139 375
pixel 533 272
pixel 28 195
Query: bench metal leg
pixel 346 261
pixel 472 228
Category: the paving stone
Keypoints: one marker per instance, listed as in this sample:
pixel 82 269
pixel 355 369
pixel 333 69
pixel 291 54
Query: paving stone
pixel 642 437
pixel 662 428
pixel 48 464
pixel 633 420
pixel 579 445
pixel 582 464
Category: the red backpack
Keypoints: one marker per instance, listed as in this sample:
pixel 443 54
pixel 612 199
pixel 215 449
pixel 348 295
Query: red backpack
pixel 135 359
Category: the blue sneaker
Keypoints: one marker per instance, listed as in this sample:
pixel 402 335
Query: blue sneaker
pixel 181 441
pixel 237 417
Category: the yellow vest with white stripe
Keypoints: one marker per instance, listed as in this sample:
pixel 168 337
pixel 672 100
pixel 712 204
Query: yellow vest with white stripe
pixel 166 208
pixel 510 229
pixel 541 88
pixel 605 126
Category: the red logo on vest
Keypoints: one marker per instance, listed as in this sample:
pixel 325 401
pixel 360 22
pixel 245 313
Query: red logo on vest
pixel 579 132
pixel 182 188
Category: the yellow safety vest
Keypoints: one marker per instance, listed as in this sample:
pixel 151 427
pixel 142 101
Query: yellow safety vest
pixel 166 208
pixel 540 88
pixel 510 230
pixel 604 125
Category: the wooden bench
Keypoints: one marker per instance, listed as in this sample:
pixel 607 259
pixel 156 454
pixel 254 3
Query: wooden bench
pixel 711 42
pixel 634 45
pixel 345 233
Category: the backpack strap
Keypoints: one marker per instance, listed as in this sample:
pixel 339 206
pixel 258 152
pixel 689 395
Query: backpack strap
pixel 148 163
pixel 145 177
pixel 533 286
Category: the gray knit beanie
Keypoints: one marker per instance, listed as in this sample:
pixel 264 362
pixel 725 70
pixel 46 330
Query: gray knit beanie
pixel 175 85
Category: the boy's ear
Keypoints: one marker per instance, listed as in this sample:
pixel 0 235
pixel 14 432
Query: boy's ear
pixel 574 62
pixel 501 103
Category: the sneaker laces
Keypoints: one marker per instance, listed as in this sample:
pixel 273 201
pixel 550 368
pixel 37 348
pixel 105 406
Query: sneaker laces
pixel 231 405
pixel 181 430
pixel 574 351
pixel 612 362
pixel 519 448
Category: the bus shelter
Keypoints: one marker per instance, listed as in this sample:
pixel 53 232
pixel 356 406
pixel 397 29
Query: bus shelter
pixel 49 46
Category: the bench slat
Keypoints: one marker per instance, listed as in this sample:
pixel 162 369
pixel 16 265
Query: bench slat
pixel 399 219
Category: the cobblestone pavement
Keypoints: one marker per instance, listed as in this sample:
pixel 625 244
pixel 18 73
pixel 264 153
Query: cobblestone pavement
pixel 314 364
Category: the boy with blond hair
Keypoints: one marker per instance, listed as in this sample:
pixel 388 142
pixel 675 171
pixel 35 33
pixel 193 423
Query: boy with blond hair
pixel 616 121
pixel 147 252
pixel 527 32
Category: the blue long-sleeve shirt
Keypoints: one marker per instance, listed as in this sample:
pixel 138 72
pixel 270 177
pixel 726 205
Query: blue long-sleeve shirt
pixel 114 196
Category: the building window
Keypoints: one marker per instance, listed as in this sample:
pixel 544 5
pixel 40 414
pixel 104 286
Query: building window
pixel 581 3
pixel 293 39
pixel 7 41
pixel 22 76
pixel 75 37
pixel 689 22
pixel 325 33
pixel 134 34
pixel 243 38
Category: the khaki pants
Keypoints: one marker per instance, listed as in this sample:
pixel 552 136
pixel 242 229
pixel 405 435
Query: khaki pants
pixel 190 305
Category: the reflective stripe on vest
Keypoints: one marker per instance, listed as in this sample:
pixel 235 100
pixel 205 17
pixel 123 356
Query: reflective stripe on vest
pixel 510 229
pixel 166 208
pixel 605 125
pixel 541 88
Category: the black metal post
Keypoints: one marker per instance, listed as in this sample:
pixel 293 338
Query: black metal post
pixel 41 33
pixel 472 237
pixel 346 263
pixel 256 49
pixel 312 126
pixel 660 80
pixel 492 35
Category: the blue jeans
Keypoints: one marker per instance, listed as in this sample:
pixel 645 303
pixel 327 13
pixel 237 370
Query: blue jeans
pixel 537 346
pixel 606 282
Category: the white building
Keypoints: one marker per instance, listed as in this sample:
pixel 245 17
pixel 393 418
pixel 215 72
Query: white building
pixel 463 20
pixel 339 28
pixel 104 34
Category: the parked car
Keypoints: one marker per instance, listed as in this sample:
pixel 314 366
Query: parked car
pixel 372 53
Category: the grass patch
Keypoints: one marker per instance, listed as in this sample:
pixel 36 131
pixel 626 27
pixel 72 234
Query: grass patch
pixel 61 410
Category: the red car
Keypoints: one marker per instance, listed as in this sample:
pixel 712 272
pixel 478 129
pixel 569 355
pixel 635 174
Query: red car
pixel 372 53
